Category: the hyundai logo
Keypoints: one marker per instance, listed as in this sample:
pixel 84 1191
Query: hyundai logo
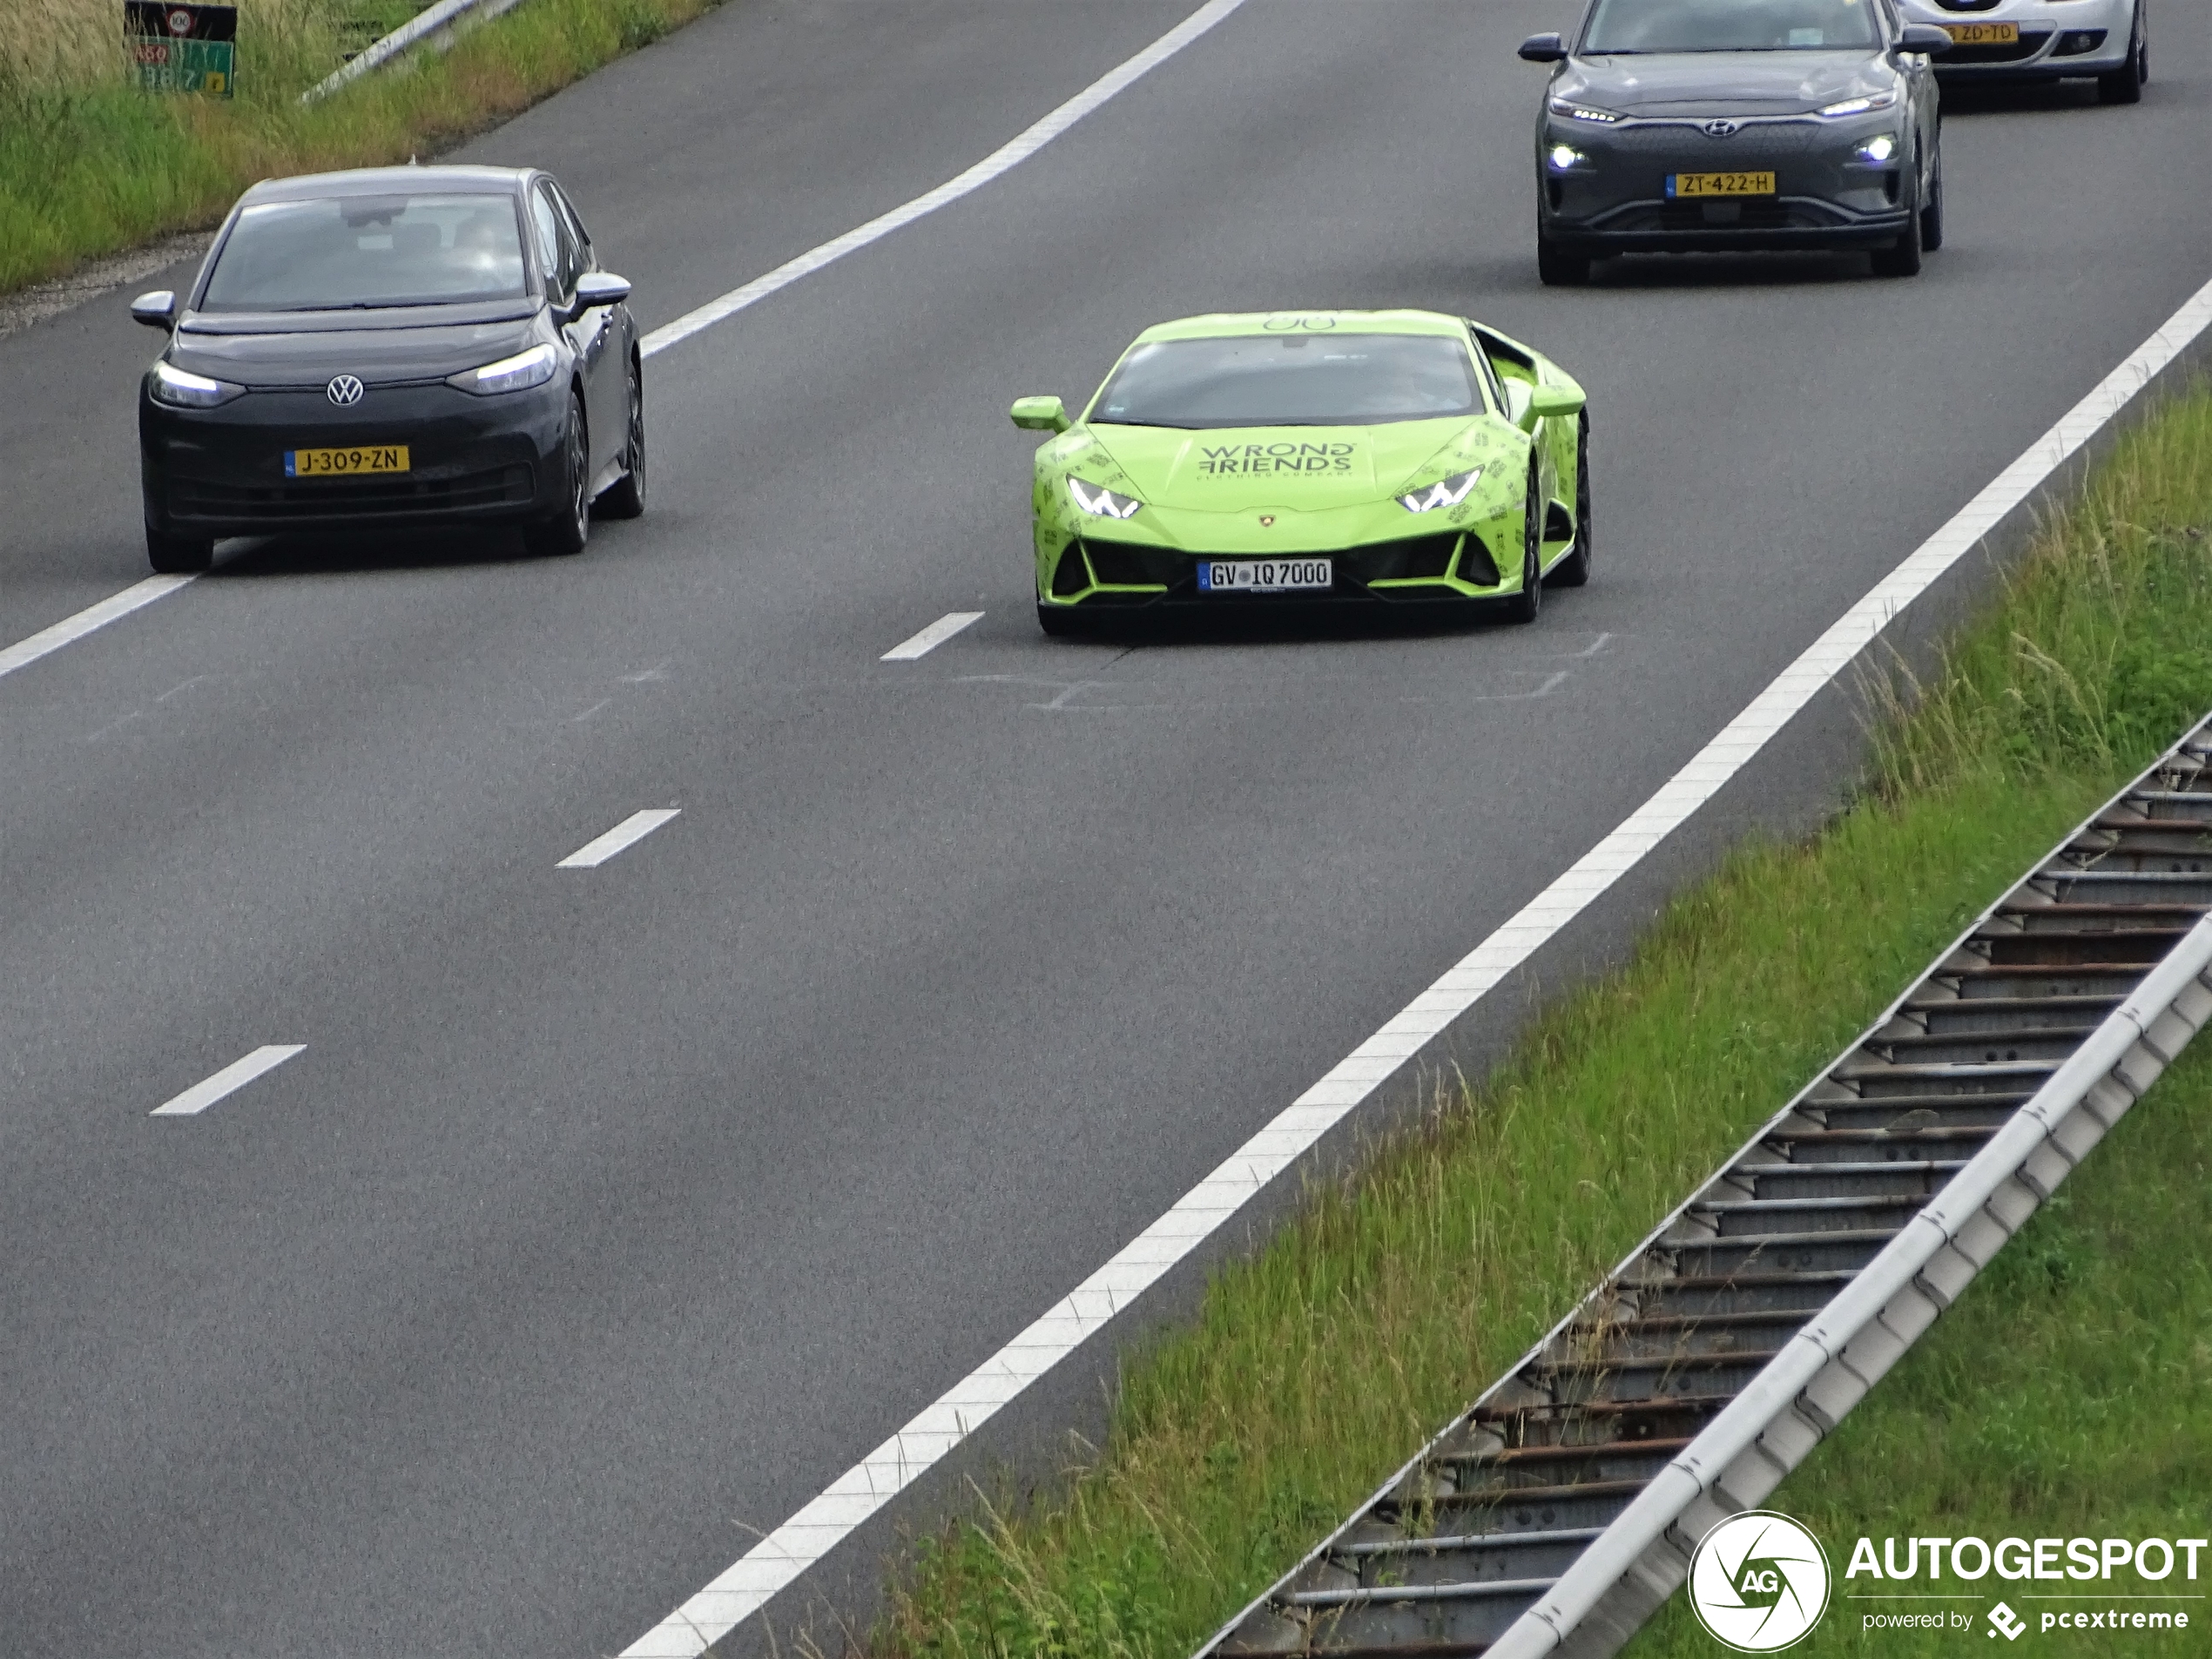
pixel 345 391
pixel 1723 128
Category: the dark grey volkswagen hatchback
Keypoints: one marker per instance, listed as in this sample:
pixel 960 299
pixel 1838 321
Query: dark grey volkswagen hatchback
pixel 1682 125
pixel 392 346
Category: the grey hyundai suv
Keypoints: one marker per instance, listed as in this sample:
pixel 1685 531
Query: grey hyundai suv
pixel 1687 125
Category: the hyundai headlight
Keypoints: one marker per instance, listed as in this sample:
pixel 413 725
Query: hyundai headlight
pixel 1102 502
pixel 1876 151
pixel 181 390
pixel 1859 106
pixel 515 374
pixel 1565 158
pixel 1445 492
pixel 1582 113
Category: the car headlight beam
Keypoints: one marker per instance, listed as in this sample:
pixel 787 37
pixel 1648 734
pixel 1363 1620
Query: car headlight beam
pixel 1565 158
pixel 1445 492
pixel 515 374
pixel 182 390
pixel 1101 502
pixel 1582 113
pixel 1876 151
pixel 1859 106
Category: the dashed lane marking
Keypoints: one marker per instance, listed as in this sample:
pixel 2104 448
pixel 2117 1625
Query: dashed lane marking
pixel 632 830
pixel 228 1081
pixel 932 636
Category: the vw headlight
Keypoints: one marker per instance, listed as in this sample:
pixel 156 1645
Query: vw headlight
pixel 1445 492
pixel 515 374
pixel 1876 151
pixel 1859 106
pixel 181 390
pixel 1582 113
pixel 1098 500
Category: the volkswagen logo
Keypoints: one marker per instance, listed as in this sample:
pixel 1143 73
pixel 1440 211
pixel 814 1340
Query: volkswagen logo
pixel 1723 128
pixel 345 391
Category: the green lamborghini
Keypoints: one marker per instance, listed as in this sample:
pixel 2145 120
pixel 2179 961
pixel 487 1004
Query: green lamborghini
pixel 1380 457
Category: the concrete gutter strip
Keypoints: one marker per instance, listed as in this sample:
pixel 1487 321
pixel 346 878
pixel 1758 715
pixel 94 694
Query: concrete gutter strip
pixel 441 19
pixel 1829 1366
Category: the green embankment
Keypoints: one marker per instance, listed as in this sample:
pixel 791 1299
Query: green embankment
pixel 2070 1383
pixel 89 164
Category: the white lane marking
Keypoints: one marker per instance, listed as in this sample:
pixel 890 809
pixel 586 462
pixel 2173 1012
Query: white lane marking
pixel 932 636
pixel 228 1081
pixel 629 832
pixel 861 1491
pixel 1007 157
pixel 68 629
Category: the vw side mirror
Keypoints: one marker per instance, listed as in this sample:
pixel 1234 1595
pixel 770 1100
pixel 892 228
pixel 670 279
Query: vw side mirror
pixel 600 288
pixel 1923 37
pixel 1039 414
pixel 155 310
pixel 1543 49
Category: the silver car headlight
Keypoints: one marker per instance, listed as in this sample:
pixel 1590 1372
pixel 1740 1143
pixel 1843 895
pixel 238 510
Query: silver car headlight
pixel 515 374
pixel 1445 492
pixel 182 390
pixel 1101 502
pixel 1859 106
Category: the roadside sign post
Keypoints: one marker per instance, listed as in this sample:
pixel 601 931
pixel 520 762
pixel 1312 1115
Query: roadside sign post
pixel 181 47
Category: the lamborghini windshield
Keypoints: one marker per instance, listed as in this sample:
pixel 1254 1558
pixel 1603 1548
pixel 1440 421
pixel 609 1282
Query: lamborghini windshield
pixel 1290 380
pixel 1730 26
pixel 344 251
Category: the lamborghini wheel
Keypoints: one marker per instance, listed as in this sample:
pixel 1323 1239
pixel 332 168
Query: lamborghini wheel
pixel 1574 569
pixel 1524 605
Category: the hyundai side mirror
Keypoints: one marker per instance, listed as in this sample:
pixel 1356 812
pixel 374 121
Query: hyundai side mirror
pixel 600 288
pixel 1925 38
pixel 1039 414
pixel 1543 49
pixel 155 310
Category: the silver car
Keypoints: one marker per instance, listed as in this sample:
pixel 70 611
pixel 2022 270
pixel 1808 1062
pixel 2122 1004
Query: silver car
pixel 2043 40
pixel 1698 125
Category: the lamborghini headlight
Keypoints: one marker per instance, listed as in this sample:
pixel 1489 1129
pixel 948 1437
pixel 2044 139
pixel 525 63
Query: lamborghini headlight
pixel 1101 502
pixel 1445 492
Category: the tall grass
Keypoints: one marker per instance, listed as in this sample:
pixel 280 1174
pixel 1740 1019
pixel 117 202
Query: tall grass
pixel 90 164
pixel 1315 1368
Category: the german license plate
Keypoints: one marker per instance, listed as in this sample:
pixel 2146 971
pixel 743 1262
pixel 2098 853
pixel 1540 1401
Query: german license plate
pixel 1264 576
pixel 1687 185
pixel 343 463
pixel 1983 34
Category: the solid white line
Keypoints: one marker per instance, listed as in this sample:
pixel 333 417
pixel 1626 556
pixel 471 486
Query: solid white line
pixel 629 832
pixel 24 652
pixel 932 636
pixel 779 1558
pixel 228 1081
pixel 1003 159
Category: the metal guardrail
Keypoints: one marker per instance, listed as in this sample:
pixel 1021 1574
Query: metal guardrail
pixel 1562 1508
pixel 442 19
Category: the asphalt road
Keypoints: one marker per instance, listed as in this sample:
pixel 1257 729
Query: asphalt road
pixel 610 1213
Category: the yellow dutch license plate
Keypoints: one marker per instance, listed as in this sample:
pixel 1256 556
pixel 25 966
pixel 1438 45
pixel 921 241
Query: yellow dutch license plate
pixel 344 463
pixel 1983 34
pixel 1687 185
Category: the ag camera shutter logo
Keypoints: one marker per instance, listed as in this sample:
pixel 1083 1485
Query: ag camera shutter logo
pixel 1759 1582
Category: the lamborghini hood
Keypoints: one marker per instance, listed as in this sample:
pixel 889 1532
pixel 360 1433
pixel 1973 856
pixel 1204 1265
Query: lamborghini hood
pixel 1303 469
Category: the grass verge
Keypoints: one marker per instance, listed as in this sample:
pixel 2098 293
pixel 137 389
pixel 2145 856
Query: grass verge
pixel 89 164
pixel 1318 1366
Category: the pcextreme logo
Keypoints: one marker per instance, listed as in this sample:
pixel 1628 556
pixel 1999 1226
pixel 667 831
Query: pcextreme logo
pixel 1759 1582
